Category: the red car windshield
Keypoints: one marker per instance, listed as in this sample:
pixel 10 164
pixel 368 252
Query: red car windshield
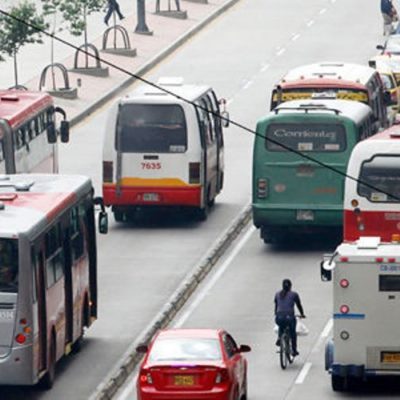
pixel 185 349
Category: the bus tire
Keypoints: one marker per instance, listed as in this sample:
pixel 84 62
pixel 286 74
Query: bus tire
pixel 118 216
pixel 47 381
pixel 329 355
pixel 338 383
pixel 202 213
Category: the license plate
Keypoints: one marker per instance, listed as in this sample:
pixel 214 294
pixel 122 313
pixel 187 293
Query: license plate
pixel 305 215
pixel 184 380
pixel 390 357
pixel 150 197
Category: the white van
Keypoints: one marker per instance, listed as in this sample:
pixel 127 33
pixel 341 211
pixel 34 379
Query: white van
pixel 164 147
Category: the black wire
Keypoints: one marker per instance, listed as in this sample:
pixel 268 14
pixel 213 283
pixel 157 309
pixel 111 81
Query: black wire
pixel 223 118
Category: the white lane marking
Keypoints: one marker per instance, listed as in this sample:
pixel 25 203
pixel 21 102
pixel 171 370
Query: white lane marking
pixel 281 51
pixel 295 37
pixel 327 328
pixel 310 23
pixel 333 1
pixel 323 11
pixel 247 85
pixel 264 67
pixel 205 290
pixel 303 373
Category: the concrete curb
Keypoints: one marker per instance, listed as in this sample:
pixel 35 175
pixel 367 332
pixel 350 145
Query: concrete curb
pixel 153 62
pixel 131 358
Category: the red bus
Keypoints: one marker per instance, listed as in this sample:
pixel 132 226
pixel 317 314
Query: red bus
pixel 372 199
pixel 28 133
pixel 48 278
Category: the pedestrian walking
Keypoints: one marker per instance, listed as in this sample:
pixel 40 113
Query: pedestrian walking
pixel 112 6
pixel 389 14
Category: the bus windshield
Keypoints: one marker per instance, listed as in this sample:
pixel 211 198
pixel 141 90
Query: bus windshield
pixel 383 174
pixel 8 265
pixel 306 137
pixel 148 128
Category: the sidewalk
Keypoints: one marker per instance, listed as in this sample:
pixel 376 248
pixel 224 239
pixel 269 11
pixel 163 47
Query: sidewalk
pixel 168 34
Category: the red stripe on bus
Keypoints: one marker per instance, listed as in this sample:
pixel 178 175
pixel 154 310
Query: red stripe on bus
pixel 180 196
pixel 51 204
pixel 376 223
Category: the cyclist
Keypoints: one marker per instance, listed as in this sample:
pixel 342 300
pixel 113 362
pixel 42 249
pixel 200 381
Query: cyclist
pixel 285 300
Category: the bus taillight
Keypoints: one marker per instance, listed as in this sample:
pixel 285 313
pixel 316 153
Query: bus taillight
pixel 262 188
pixel 194 172
pixel 344 309
pixel 20 338
pixel 107 171
pixel 344 283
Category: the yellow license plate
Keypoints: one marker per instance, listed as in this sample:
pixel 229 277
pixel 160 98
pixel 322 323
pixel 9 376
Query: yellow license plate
pixel 184 380
pixel 390 357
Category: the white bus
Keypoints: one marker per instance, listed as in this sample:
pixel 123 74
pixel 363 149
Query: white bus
pixel 28 132
pixel 372 199
pixel 48 278
pixel 161 151
pixel 366 307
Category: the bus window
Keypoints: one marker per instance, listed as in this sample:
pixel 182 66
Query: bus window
pixel 54 256
pixel 306 137
pixel 383 174
pixel 76 234
pixel 148 128
pixel 34 261
pixel 206 103
pixel 1 150
pixel 8 265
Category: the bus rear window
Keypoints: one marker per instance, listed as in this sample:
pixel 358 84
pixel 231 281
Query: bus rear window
pixel 148 128
pixel 306 137
pixel 8 265
pixel 389 283
pixel 379 179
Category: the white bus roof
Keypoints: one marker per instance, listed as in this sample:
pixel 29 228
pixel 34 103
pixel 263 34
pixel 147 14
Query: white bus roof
pixel 29 201
pixel 368 249
pixel 331 70
pixel 149 94
pixel 353 110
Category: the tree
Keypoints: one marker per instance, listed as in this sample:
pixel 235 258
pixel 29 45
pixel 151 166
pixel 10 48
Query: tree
pixel 75 14
pixel 15 34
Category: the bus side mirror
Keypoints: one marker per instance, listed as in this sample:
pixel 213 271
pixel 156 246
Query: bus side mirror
pixel 51 132
pixel 380 47
pixel 142 348
pixel 326 267
pixel 64 131
pixel 387 98
pixel 103 222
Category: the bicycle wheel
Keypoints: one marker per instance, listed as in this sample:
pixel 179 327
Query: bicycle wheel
pixel 283 350
pixel 289 355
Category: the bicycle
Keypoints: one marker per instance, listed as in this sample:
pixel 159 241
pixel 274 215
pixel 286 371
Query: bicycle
pixel 285 347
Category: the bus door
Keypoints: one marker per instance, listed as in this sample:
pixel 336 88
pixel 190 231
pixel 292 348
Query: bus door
pixel 69 295
pixel 151 144
pixel 211 154
pixel 41 308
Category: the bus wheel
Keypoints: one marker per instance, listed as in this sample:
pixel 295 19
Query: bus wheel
pixel 338 383
pixel 202 213
pixel 47 381
pixel 118 216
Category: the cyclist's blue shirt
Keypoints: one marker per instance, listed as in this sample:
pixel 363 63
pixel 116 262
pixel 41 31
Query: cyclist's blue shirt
pixel 285 304
pixel 386 6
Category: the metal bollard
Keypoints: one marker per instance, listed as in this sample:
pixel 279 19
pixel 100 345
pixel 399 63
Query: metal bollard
pixel 141 26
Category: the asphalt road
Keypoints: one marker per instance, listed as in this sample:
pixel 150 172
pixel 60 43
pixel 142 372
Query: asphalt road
pixel 241 55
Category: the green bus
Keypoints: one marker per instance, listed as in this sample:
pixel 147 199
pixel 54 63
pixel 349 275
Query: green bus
pixel 293 193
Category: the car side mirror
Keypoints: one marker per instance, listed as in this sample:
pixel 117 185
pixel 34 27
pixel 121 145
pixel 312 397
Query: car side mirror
pixel 142 348
pixel 51 132
pixel 244 348
pixel 103 222
pixel 64 131
pixel 387 98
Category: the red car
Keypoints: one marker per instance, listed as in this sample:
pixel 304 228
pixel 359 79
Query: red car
pixel 185 364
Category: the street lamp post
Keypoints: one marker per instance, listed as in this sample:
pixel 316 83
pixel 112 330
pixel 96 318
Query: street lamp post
pixel 141 26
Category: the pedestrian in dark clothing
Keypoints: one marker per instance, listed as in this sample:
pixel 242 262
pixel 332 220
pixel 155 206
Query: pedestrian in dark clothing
pixel 112 5
pixel 389 15
pixel 285 300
